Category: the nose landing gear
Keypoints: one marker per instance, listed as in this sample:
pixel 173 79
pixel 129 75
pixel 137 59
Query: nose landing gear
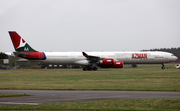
pixel 163 66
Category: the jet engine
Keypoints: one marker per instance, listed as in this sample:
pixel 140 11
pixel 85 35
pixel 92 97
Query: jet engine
pixel 110 63
pixel 118 64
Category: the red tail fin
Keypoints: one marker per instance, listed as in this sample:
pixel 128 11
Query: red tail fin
pixel 19 43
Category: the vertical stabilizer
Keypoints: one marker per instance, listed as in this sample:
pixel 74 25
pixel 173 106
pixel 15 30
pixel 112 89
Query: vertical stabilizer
pixel 19 43
pixel 23 49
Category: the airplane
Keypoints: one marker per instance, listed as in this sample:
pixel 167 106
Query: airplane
pixel 89 60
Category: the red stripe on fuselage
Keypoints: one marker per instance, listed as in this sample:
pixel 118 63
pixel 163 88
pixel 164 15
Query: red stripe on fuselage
pixel 34 55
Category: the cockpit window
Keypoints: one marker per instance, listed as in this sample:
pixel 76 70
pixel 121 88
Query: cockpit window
pixel 172 55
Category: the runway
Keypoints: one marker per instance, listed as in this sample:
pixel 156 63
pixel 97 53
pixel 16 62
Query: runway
pixel 56 96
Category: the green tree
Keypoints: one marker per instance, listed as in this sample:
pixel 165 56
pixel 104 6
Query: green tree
pixel 3 56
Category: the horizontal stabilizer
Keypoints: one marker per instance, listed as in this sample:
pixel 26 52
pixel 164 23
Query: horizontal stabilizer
pixel 20 54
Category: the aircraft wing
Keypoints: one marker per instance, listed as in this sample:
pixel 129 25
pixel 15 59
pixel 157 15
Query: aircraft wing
pixel 91 58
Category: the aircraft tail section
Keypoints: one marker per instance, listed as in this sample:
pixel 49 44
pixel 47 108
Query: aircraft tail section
pixel 23 49
pixel 19 43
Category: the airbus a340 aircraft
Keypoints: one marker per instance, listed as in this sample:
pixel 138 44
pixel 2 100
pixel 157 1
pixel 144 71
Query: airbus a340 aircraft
pixel 89 60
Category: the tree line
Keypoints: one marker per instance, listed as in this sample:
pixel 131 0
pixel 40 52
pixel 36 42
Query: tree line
pixel 3 56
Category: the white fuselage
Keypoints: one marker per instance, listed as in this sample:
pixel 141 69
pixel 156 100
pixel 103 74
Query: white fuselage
pixel 77 58
pixel 89 60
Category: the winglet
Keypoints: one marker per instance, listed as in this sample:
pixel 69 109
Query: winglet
pixel 84 54
pixel 92 58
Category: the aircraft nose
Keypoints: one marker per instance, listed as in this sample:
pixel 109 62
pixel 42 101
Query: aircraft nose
pixel 175 58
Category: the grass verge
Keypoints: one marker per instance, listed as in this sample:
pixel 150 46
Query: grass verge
pixel 143 78
pixel 132 104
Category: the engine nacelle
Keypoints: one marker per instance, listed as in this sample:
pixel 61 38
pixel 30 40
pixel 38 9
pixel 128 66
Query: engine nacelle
pixel 118 64
pixel 110 63
pixel 106 63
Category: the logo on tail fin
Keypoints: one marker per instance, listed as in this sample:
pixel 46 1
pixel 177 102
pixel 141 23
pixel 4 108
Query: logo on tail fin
pixel 19 43
pixel 22 43
pixel 26 49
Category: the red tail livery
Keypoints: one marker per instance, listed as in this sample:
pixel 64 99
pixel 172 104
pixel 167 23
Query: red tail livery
pixel 23 49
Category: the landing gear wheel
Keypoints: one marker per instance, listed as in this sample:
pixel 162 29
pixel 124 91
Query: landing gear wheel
pixel 89 68
pixel 84 68
pixel 163 67
pixel 94 68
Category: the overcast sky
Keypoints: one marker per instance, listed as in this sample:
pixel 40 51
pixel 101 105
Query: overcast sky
pixel 91 25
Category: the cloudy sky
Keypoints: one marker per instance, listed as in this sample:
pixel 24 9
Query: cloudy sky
pixel 91 25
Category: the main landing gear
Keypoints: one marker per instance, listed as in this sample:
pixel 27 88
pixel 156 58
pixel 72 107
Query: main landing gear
pixel 89 68
pixel 163 66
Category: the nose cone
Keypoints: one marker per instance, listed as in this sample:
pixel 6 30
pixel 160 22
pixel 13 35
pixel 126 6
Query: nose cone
pixel 171 57
pixel 175 58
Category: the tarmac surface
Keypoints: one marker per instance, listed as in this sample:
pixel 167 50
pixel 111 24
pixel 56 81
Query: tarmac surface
pixel 56 96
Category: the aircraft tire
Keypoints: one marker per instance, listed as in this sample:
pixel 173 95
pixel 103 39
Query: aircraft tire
pixel 84 68
pixel 89 68
pixel 94 68
pixel 163 67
